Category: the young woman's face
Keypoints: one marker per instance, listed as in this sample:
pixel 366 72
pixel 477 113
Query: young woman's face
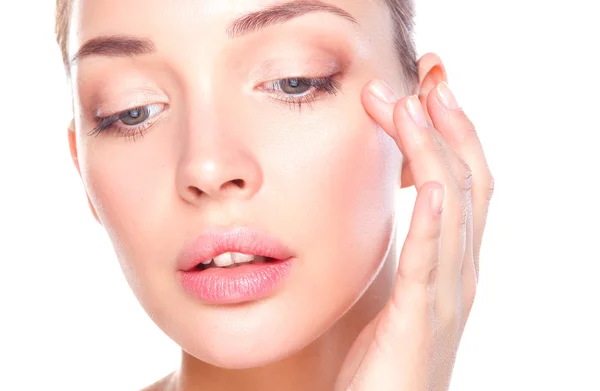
pixel 224 139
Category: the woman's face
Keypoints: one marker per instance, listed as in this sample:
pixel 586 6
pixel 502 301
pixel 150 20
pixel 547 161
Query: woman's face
pixel 224 140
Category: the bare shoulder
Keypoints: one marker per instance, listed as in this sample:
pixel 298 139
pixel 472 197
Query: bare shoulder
pixel 163 384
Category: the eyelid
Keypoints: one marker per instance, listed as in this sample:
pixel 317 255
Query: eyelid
pixel 129 108
pixel 273 70
pixel 138 98
pixel 110 123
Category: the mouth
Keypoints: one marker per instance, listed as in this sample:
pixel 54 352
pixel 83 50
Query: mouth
pixel 232 260
pixel 234 266
pixel 228 249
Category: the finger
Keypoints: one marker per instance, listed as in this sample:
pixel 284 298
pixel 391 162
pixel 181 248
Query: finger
pixel 429 159
pixel 456 290
pixel 461 135
pixel 420 253
pixel 469 275
pixel 399 354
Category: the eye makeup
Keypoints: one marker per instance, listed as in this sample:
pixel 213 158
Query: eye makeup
pixel 311 89
pixel 129 123
pixel 297 77
pixel 289 73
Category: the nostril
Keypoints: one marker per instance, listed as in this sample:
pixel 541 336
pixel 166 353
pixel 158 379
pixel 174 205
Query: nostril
pixel 195 191
pixel 239 183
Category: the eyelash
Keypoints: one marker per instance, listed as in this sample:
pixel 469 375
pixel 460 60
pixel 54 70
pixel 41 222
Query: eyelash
pixel 109 123
pixel 317 85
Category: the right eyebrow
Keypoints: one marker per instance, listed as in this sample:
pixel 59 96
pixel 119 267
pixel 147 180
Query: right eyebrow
pixel 114 46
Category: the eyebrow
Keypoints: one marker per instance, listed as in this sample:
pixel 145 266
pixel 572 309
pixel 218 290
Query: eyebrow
pixel 281 13
pixel 128 46
pixel 114 46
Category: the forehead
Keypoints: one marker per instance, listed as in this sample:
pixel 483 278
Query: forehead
pixel 201 20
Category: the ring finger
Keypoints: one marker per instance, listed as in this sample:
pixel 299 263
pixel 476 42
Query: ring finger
pixel 406 123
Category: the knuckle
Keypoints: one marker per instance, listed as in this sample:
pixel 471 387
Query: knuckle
pixel 436 144
pixel 476 262
pixel 466 177
pixel 491 187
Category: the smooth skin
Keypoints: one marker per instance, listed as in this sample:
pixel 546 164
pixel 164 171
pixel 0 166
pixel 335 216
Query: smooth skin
pixel 354 314
pixel 412 343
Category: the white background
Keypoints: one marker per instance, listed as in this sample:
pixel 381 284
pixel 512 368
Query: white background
pixel 527 74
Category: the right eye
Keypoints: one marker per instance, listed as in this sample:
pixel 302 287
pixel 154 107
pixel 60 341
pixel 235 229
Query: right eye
pixel 135 116
pixel 136 120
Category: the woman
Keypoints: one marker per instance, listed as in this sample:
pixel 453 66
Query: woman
pixel 244 158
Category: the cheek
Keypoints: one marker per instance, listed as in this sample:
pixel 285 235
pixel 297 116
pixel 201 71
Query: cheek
pixel 344 169
pixel 129 187
pixel 338 181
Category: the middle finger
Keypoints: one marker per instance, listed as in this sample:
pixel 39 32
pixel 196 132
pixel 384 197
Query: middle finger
pixel 430 159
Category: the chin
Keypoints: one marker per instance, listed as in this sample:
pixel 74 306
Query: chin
pixel 244 350
pixel 242 336
pixel 233 358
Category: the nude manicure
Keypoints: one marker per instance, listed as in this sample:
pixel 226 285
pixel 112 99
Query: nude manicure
pixel 382 91
pixel 447 97
pixel 413 105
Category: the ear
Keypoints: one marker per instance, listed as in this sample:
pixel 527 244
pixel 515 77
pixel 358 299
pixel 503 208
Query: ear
pixel 73 148
pixel 431 73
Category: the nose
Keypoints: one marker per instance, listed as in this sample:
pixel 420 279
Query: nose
pixel 217 169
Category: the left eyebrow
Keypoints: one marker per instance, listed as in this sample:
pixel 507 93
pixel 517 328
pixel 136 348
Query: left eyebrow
pixel 281 13
pixel 114 46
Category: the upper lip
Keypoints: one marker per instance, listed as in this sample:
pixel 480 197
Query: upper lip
pixel 241 240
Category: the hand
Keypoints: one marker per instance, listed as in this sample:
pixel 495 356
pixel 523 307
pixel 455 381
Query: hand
pixel 411 345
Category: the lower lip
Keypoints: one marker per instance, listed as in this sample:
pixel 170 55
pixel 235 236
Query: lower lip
pixel 239 284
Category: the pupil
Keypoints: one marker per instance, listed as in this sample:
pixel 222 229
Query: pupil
pixel 295 86
pixel 135 116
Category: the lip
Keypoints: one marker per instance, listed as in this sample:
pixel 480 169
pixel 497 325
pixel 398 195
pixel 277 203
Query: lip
pixel 240 240
pixel 239 284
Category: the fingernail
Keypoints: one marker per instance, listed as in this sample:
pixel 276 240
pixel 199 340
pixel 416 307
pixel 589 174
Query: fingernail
pixel 447 97
pixel 380 90
pixel 437 200
pixel 413 105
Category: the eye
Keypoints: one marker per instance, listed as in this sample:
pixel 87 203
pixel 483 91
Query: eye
pixel 296 91
pixel 131 122
pixel 294 86
pixel 135 116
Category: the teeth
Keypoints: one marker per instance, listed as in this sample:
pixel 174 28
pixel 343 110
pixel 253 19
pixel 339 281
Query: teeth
pixel 233 259
pixel 223 260
pixel 241 258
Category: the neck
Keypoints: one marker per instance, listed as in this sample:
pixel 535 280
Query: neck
pixel 313 368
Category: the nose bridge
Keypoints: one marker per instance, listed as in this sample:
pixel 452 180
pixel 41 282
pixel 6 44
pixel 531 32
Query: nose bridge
pixel 216 161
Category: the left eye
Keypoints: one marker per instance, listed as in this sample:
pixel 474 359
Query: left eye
pixel 293 86
pixel 299 90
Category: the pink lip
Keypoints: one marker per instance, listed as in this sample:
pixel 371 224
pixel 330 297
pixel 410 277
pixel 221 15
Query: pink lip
pixel 242 283
pixel 240 240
